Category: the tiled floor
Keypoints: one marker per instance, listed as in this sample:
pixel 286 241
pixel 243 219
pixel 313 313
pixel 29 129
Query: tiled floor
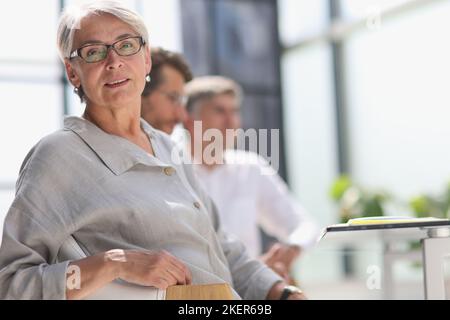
pixel 355 290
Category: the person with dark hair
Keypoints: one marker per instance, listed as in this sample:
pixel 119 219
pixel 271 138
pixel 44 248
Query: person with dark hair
pixel 163 99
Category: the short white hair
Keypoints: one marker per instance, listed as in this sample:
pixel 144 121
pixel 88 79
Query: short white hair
pixel 71 18
pixel 204 88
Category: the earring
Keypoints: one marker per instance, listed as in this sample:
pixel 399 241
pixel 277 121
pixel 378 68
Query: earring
pixel 76 90
pixel 148 78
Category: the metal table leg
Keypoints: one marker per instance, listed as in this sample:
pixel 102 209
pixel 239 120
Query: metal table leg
pixel 434 249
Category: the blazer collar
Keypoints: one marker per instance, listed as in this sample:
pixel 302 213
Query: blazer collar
pixel 117 153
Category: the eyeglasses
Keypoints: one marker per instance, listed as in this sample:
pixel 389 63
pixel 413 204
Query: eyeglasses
pixel 174 98
pixel 92 53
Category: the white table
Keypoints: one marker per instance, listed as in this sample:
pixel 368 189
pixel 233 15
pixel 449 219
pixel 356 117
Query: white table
pixel 435 241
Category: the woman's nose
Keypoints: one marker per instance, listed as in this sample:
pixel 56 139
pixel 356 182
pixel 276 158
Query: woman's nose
pixel 113 60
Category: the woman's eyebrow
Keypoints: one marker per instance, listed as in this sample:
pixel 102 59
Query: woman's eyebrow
pixel 122 36
pixel 125 35
pixel 91 42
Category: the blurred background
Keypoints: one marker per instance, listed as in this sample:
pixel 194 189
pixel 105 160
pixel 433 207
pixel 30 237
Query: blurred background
pixel 358 89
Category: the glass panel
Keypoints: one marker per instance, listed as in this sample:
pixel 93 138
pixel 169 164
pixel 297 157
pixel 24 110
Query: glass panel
pixel 398 102
pixel 198 44
pixel 353 9
pixel 308 113
pixel 30 111
pixel 30 72
pixel 246 42
pixel 260 110
pixel 309 127
pixel 163 20
pixel 32 36
pixel 301 18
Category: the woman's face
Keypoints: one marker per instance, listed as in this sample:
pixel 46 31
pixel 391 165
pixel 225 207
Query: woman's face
pixel 116 81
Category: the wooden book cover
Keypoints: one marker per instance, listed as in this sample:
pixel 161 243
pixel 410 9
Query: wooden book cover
pixel 221 291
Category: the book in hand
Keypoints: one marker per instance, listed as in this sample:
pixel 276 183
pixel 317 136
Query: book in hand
pixel 221 291
pixel 120 290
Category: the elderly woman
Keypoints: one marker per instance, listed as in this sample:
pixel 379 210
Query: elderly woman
pixel 109 181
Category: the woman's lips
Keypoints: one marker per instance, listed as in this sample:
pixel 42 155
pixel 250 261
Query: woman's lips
pixel 117 83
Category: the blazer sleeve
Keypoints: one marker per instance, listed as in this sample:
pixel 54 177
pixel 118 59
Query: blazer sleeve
pixel 33 231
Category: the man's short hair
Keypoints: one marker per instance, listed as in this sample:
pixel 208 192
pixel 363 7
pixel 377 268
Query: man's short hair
pixel 161 58
pixel 207 87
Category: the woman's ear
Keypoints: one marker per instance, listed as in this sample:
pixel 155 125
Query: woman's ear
pixel 148 60
pixel 71 74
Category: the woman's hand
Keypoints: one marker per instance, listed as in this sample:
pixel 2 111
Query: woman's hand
pixel 150 268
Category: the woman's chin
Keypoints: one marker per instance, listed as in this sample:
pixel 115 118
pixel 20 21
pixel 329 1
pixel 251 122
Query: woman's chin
pixel 120 97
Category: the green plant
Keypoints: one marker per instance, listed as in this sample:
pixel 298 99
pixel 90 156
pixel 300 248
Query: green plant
pixel 356 202
pixel 425 205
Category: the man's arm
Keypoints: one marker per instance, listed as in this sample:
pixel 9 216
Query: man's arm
pixel 280 215
pixel 277 290
pixel 280 258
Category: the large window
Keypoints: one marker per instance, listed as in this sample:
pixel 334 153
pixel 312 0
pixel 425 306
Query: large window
pixel 364 87
pixel 314 19
pixel 397 78
pixel 309 126
pixel 30 88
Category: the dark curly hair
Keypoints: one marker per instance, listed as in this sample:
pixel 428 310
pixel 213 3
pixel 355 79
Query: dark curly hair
pixel 160 58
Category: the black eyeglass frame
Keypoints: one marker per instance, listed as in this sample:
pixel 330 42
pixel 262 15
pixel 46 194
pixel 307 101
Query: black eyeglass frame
pixel 77 52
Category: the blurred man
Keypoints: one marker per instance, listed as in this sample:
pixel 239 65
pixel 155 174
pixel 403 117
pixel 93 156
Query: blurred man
pixel 163 99
pixel 247 191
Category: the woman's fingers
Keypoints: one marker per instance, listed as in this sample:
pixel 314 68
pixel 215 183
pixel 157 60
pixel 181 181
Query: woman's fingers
pixel 159 269
pixel 177 274
pixel 182 268
pixel 161 283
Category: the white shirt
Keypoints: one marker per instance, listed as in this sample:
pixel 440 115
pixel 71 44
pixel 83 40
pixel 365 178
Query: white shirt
pixel 248 194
